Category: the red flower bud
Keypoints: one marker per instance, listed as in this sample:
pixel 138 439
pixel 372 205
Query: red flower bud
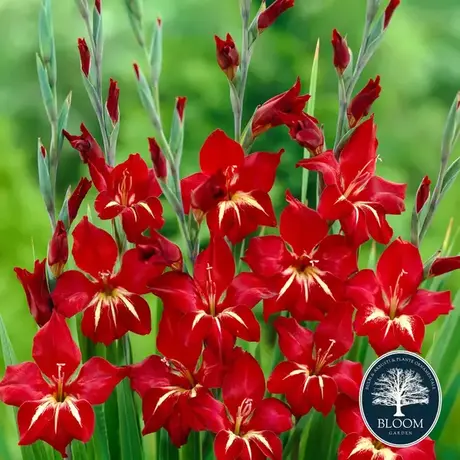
pixel 78 195
pixel 43 151
pixel 58 250
pixel 341 52
pixel 227 56
pixel 136 71
pixel 443 265
pixel 112 101
pixel 361 104
pixel 423 194
pixel 158 159
pixel 308 134
pixel 36 290
pixel 97 5
pixel 389 10
pixel 270 15
pixel 180 107
pixel 85 56
pixel 85 144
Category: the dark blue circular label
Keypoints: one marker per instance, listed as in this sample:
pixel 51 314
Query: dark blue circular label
pixel 400 398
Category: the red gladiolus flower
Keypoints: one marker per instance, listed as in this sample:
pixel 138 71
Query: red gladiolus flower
pixel 36 289
pixel 110 301
pixel 359 444
pixel 213 304
pixel 232 189
pixel 112 101
pixel 271 14
pixel 86 145
pixel 130 190
pixel 353 194
pixel 285 108
pixel 312 377
pixel 76 198
pixel 361 104
pixel 392 311
pixel 227 56
pixel 423 193
pixel 53 405
pixel 158 159
pixel 443 265
pixel 85 56
pixel 307 278
pixel 247 425
pixel 341 52
pixel 168 386
pixel 306 132
pixel 58 251
pixel 389 10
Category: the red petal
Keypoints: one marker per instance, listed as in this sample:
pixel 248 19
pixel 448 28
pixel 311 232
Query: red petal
pixel 377 225
pixel 347 415
pixel 210 412
pixel 219 152
pixel 53 345
pixel 22 382
pixel 400 269
pixel 358 157
pixel 247 289
pixel 355 227
pixel 96 381
pixel 295 341
pixel 333 206
pixel 268 443
pixel 336 256
pixel 157 406
pixel 389 195
pixel 410 331
pixel 258 171
pixel 267 255
pixel 290 378
pixel 335 332
pixel 73 293
pixel 423 450
pixel 82 428
pixel 348 449
pixel 244 380
pixel 348 376
pixel 189 184
pixel 179 423
pixel 241 322
pixel 94 250
pixel 444 265
pixel 325 163
pixel 215 265
pixel 297 217
pixel 227 446
pixel 106 207
pixel 364 289
pixel 271 414
pixel 429 305
pixel 322 393
pixel 134 312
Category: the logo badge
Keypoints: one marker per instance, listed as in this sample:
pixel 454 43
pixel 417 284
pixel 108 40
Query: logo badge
pixel 400 398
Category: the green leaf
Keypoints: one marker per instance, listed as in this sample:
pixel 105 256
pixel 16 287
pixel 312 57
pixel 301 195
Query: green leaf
pixel 62 120
pixel 79 451
pixel 9 358
pixel 156 52
pixel 45 89
pixel 449 177
pixel 64 212
pixel 44 182
pixel 99 442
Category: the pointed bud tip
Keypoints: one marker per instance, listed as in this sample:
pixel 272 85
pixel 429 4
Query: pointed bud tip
pixel 136 70
pixel 180 106
pixel 97 5
pixel 85 56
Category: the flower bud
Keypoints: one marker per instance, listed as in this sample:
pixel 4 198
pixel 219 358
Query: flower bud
pixel 443 265
pixel 85 144
pixel 423 194
pixel 37 293
pixel 97 5
pixel 136 71
pixel 227 56
pixel 112 101
pixel 158 159
pixel 271 14
pixel 361 104
pixel 58 250
pixel 78 195
pixel 306 132
pixel 180 107
pixel 389 10
pixel 85 56
pixel 341 52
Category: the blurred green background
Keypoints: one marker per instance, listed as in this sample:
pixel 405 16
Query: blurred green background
pixel 418 63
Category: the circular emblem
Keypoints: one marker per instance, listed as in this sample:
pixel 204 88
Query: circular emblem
pixel 400 398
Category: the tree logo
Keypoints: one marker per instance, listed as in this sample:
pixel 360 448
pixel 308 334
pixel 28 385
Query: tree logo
pixel 400 398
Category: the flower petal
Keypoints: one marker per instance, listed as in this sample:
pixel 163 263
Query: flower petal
pixel 96 380
pixel 429 305
pixel 443 265
pixel 347 415
pixel 325 163
pixel 227 445
pixel 94 250
pixel 22 382
pixel 410 331
pixel 157 406
pixel 335 255
pixel 54 350
pixel 152 372
pixel 247 289
pixel 188 185
pixel 322 392
pixel 389 195
pixel 333 205
pixel 348 376
pixel 73 293
pixel 268 443
pixel 294 219
pixel 271 414
pixel 295 341
pixel 241 322
pixel 423 450
pixel 219 152
pixel 244 380
pixel 210 412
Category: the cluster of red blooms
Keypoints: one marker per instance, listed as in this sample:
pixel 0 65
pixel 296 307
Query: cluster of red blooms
pixel 305 271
